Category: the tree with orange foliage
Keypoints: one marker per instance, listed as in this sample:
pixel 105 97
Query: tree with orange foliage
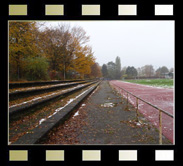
pixel 96 71
pixel 23 43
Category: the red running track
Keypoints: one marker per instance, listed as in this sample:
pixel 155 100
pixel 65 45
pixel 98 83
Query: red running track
pixel 160 97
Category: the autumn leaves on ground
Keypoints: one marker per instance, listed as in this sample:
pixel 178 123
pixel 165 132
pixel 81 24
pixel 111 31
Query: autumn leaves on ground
pixel 40 53
pixel 104 119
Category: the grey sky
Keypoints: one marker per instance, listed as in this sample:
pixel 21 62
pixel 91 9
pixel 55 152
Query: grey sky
pixel 137 43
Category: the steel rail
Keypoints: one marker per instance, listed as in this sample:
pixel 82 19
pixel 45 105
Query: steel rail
pixel 146 102
pixel 159 109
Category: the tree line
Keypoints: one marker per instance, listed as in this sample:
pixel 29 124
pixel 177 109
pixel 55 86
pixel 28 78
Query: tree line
pixel 62 52
pixel 113 70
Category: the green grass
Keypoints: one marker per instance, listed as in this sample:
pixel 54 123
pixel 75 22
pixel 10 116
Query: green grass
pixel 166 83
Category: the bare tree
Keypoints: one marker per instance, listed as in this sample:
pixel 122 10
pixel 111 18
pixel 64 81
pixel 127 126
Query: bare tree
pixel 148 70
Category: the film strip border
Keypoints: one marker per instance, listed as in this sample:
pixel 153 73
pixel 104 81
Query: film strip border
pixel 119 10
pixel 91 10
pixel 90 155
pixel 96 10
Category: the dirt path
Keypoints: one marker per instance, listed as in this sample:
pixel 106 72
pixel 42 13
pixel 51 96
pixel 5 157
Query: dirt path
pixel 161 97
pixel 103 119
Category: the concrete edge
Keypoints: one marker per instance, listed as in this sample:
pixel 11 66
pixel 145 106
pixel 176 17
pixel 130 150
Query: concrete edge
pixel 19 109
pixel 39 132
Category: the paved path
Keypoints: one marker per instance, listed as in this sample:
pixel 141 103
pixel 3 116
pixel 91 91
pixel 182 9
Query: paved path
pixel 104 119
pixel 161 97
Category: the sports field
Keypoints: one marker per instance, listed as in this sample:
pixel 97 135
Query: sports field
pixel 160 97
pixel 166 83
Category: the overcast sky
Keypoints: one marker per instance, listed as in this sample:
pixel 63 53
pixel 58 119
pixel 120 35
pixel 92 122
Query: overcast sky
pixel 137 43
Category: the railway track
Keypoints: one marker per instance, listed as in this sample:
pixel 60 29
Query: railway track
pixel 30 120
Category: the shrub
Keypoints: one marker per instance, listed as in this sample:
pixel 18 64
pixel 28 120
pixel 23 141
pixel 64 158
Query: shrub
pixel 37 68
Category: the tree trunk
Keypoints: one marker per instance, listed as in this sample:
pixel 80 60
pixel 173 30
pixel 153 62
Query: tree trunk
pixel 18 72
pixel 64 71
